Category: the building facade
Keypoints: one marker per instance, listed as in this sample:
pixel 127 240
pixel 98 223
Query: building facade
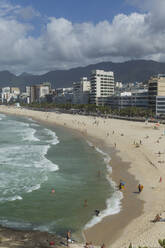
pixel 156 88
pixel 81 91
pixel 137 98
pixel 102 86
pixel 37 92
pixel 160 105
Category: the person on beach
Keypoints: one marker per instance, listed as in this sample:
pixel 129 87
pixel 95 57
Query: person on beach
pixel 103 246
pixel 90 245
pixel 121 185
pixel 68 237
pixel 157 218
pixel 86 245
pixel 140 187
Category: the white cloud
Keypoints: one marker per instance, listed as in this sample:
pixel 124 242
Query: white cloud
pixel 27 13
pixel 63 44
pixel 7 9
pixel 10 11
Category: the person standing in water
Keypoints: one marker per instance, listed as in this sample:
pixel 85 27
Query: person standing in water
pixel 68 237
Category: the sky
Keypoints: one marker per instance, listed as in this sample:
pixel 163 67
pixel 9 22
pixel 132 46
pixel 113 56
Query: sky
pixel 37 36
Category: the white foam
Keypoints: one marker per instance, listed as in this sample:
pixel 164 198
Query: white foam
pixel 44 162
pixel 11 198
pixel 30 119
pixel 54 139
pixel 2 116
pixel 34 125
pixel 33 122
pixel 49 227
pixel 89 143
pixel 15 224
pixel 107 158
pixel 29 135
pixel 24 165
pixel 18 123
pixel 25 169
pixel 35 187
pixel 113 204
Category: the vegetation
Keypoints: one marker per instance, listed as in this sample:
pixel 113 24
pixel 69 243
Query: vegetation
pixel 162 243
pixel 91 108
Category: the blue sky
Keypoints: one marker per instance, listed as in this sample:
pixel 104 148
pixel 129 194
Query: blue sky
pixel 42 35
pixel 80 10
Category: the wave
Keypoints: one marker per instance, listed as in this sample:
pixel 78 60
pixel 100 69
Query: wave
pixel 16 224
pixel 54 139
pixel 30 119
pixel 17 123
pixel 35 187
pixel 113 204
pixel 23 169
pixel 29 135
pixel 11 198
pixel 44 162
pixel 22 225
pixel 34 125
pixel 2 116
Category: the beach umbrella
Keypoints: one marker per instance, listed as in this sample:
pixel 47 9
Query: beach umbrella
pixel 122 182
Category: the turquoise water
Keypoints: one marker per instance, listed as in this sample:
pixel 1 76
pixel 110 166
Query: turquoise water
pixel 34 160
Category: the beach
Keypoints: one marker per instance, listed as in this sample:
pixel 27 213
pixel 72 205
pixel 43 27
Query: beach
pixel 138 157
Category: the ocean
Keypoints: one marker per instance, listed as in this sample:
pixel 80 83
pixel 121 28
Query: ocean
pixel 46 175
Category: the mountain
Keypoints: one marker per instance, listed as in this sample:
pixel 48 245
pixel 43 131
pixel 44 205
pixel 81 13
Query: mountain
pixel 130 71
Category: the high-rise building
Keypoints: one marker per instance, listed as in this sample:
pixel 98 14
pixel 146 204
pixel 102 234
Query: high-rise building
pixel 156 88
pixel 81 91
pixel 102 86
pixel 37 92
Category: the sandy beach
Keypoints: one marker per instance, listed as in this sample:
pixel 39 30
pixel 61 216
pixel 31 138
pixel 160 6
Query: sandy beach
pixel 133 162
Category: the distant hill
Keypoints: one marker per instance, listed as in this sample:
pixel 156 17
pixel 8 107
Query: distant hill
pixel 130 71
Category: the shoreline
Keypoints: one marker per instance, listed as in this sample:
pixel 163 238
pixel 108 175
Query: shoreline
pixel 143 165
pixel 115 223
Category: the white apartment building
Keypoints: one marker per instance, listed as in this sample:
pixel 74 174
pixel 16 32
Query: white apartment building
pixel 36 93
pixel 28 90
pixel 85 84
pixel 119 85
pixel 9 94
pixel 81 91
pixel 44 90
pixel 6 94
pixel 102 86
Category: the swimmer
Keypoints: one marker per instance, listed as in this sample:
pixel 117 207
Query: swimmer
pixel 97 212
